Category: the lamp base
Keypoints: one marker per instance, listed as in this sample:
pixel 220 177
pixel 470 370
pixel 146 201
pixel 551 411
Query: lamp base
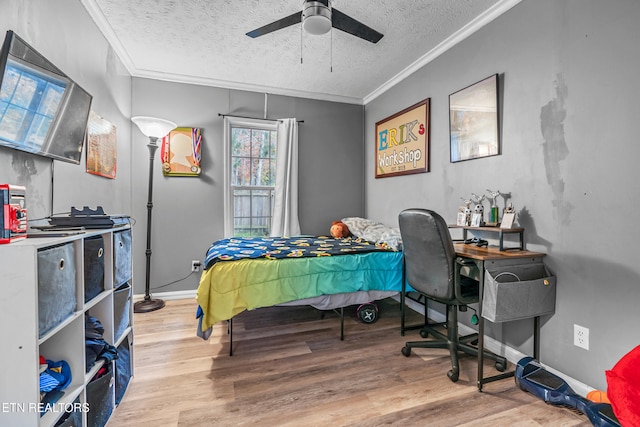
pixel 148 305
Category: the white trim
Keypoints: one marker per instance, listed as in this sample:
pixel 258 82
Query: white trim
pixel 175 295
pixel 480 21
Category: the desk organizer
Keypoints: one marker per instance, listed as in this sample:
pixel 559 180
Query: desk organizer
pixel 518 292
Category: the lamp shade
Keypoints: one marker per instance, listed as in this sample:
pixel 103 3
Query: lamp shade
pixel 153 127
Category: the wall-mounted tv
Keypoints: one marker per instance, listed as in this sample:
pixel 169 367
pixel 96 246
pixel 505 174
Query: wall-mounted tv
pixel 42 110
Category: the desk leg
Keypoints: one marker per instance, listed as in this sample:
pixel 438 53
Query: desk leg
pixel 536 338
pixel 480 265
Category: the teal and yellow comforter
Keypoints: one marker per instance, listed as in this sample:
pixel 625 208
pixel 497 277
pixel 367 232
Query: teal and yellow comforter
pixel 243 274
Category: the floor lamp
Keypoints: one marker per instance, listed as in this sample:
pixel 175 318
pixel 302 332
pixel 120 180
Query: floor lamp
pixel 154 129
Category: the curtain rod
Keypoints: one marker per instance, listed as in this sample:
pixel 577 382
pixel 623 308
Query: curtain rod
pixel 252 118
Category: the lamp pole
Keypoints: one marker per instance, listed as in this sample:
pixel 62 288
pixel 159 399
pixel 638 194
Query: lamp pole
pixel 149 304
pixel 154 129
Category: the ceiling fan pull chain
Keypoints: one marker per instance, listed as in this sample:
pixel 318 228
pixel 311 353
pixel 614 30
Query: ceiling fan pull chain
pixel 301 43
pixel 331 53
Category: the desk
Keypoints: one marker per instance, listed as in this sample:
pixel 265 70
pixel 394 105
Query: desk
pixel 488 257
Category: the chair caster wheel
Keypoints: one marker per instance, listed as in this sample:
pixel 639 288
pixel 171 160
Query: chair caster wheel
pixel 367 313
pixel 453 376
pixel 406 351
pixel 500 367
pixel 424 333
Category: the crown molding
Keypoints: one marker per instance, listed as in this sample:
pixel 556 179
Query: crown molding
pixel 225 84
pixel 485 18
pixel 480 21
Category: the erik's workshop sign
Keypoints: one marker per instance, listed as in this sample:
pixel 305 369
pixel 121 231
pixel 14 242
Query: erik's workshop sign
pixel 402 142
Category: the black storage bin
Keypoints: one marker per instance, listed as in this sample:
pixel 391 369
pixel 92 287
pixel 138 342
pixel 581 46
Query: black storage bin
pixel 121 309
pixel 56 286
pixel 123 369
pixel 100 399
pixel 72 418
pixel 518 292
pixel 122 269
pixel 93 267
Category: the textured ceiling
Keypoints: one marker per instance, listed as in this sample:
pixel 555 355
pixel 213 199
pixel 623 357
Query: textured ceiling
pixel 204 42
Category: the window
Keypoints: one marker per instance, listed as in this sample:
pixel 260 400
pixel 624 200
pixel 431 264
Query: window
pixel 250 177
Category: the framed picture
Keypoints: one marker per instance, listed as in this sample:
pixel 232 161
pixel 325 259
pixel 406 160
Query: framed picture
pixel 102 147
pixel 473 121
pixel 402 142
pixel 180 152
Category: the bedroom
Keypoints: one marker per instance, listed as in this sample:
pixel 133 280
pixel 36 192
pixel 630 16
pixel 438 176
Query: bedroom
pixel 568 156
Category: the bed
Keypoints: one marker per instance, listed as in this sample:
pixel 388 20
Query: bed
pixel 248 273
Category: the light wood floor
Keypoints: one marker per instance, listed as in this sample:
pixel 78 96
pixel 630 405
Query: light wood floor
pixel 290 368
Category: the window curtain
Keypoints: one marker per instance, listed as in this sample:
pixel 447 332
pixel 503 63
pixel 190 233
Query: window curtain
pixel 285 205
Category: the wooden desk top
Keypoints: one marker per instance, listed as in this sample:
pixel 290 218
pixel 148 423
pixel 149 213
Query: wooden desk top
pixel 491 252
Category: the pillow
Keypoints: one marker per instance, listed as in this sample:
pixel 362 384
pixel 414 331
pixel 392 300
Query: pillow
pixel 357 225
pixel 623 390
pixel 374 232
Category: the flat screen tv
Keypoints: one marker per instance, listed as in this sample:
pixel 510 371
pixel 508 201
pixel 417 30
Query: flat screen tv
pixel 42 111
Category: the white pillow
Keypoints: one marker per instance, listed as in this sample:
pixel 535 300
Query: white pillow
pixel 374 231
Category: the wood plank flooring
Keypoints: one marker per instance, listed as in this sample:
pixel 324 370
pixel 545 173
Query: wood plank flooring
pixel 290 368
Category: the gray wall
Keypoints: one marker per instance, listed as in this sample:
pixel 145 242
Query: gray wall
pixel 569 159
pixel 188 211
pixel 64 33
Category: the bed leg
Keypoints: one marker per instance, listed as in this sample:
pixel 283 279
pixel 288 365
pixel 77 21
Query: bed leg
pixel 341 323
pixel 230 332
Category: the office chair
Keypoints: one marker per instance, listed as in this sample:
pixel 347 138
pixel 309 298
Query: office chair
pixel 432 269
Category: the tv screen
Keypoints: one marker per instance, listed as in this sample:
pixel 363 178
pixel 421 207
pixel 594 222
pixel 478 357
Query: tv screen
pixel 42 111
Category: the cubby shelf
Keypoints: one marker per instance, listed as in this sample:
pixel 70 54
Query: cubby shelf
pixel 43 310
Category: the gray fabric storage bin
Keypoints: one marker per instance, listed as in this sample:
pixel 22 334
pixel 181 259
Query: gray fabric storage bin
pixel 56 286
pixel 71 419
pixel 93 267
pixel 122 269
pixel 100 399
pixel 518 292
pixel 123 369
pixel 121 308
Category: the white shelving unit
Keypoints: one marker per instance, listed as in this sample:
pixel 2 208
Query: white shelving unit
pixel 43 286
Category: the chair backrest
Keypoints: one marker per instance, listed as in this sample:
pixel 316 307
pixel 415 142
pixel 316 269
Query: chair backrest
pixel 428 252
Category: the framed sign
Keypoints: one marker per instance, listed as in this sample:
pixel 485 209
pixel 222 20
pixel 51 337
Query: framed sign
pixel 180 152
pixel 102 147
pixel 402 142
pixel 473 121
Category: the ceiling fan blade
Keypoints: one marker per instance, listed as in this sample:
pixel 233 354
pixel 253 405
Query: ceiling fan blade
pixel 277 25
pixel 349 25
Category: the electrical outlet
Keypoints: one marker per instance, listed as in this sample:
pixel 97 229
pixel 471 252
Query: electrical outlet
pixel 195 265
pixel 581 336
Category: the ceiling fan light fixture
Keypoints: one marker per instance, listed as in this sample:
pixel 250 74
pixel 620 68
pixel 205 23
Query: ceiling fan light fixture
pixel 316 17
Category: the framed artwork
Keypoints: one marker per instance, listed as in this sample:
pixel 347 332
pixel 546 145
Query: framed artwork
pixel 473 121
pixel 102 147
pixel 180 152
pixel 402 142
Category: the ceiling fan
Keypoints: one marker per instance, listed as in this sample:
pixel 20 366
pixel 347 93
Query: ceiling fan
pixel 317 17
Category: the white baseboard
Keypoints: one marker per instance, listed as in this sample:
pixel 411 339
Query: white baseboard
pixel 495 346
pixel 169 295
